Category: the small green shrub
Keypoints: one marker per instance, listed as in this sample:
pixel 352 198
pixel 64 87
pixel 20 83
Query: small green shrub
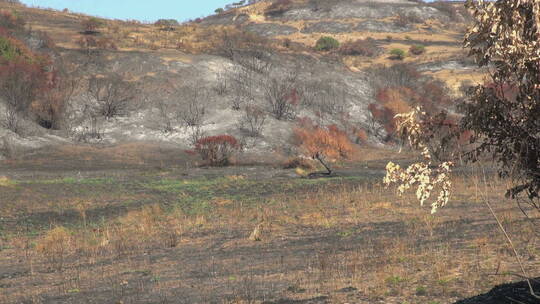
pixel 7 50
pixel 398 54
pixel 219 10
pixel 421 291
pixel 417 49
pixel 395 280
pixel 326 43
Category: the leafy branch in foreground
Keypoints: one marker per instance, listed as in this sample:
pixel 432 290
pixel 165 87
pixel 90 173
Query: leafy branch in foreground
pixel 425 175
pixel 502 116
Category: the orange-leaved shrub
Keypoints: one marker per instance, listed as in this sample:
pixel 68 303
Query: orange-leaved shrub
pixel 323 143
pixel 217 150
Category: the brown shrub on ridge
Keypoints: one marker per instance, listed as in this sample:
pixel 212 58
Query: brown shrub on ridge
pixel 361 47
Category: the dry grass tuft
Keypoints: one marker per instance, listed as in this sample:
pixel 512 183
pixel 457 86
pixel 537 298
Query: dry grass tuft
pixel 55 246
pixel 6 182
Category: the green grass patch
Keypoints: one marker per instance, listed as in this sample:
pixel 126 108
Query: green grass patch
pixel 70 181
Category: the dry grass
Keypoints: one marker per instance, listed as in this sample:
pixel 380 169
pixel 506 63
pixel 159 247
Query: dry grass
pixel 358 235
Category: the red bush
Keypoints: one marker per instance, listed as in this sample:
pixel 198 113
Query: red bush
pixel 217 150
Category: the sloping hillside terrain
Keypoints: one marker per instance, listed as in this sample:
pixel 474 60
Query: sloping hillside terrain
pixel 113 188
pixel 225 62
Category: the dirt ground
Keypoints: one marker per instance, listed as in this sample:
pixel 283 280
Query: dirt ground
pixel 118 231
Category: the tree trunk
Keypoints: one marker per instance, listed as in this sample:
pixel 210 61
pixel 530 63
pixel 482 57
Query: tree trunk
pixel 321 160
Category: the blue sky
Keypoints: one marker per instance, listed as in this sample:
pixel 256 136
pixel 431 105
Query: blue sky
pixel 143 10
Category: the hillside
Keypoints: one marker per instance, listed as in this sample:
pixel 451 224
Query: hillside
pixel 240 158
pixel 260 43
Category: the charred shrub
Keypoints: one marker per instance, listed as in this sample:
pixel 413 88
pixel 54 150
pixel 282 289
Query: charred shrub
pixel 253 121
pixel 112 94
pixel 282 95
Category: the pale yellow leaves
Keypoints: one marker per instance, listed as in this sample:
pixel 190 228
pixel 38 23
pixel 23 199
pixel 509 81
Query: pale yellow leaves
pixel 425 176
